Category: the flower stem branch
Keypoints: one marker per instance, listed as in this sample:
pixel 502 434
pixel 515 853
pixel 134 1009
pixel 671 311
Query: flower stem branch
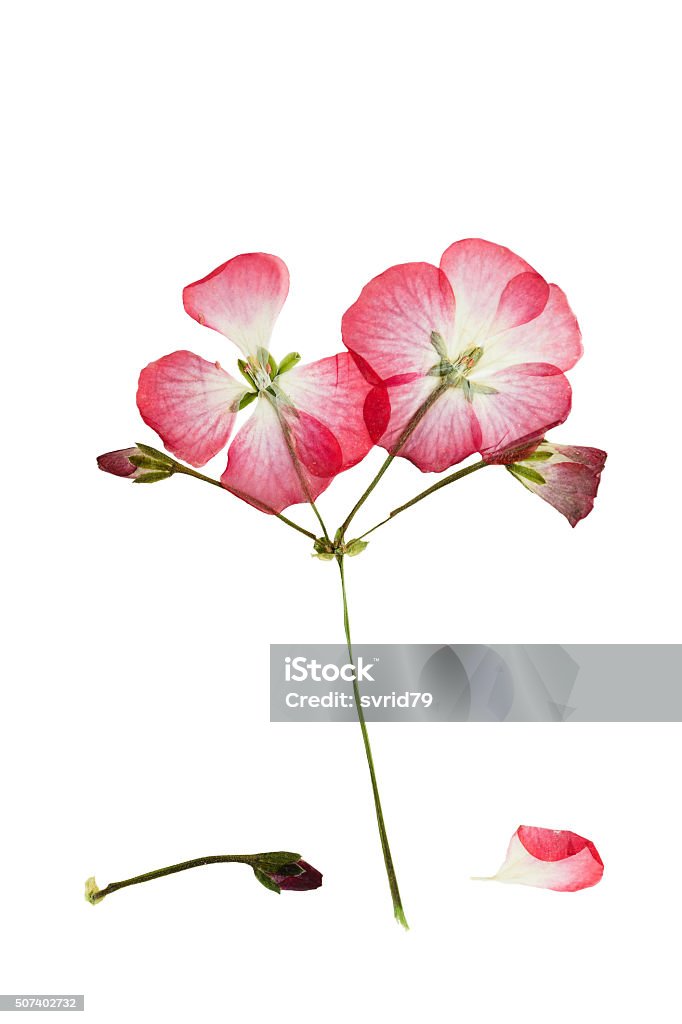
pixel 95 895
pixel 459 475
pixel 388 860
pixel 404 437
pixel 216 483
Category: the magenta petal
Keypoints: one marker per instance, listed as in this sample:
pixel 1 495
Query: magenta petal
pixel 190 403
pixel 310 879
pixel 522 300
pixel 118 462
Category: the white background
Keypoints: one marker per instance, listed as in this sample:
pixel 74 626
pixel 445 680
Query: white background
pixel 145 144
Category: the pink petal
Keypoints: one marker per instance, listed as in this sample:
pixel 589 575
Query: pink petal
pixel 333 390
pixel 389 327
pixel 447 433
pixel 522 300
pixel 479 272
pixel 190 403
pixel 118 462
pixel 241 299
pixel 552 337
pixel 570 487
pixel 529 397
pixel 595 458
pixel 551 859
pixel 260 466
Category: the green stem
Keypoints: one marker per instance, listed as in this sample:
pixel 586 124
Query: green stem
pixel 395 450
pixel 216 483
pixel 388 860
pixel 185 865
pixel 459 475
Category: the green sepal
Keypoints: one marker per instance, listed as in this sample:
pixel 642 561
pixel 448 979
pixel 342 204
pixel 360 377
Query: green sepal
pixel 272 363
pixel 538 457
pixel 266 881
pixel 275 861
pixel 154 453
pixel 152 478
pixel 245 371
pixel 149 462
pixel 355 547
pixel 324 556
pixel 482 389
pixel 438 342
pixel 288 363
pixel 247 399
pixel 526 473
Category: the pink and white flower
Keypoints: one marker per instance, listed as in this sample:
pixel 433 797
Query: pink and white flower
pixel 566 476
pixel 484 330
pixel 550 859
pixel 308 423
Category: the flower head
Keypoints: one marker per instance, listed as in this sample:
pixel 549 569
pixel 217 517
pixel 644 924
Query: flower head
pixel 477 346
pixel 307 425
pixel 566 476
pixel 550 858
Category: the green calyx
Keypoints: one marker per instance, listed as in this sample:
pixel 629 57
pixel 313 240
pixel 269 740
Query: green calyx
pixel 525 473
pixel 156 465
pixel 327 550
pixel 456 373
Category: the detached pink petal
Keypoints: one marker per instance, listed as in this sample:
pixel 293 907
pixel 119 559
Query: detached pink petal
pixel 241 299
pixel 333 390
pixel 260 467
pixel 190 403
pixel 551 859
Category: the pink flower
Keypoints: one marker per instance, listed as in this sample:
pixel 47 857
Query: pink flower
pixel 308 423
pixel 566 476
pixel 550 859
pixel 483 336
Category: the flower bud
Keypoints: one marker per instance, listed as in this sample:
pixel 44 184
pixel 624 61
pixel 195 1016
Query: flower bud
pixel 141 464
pixel 275 872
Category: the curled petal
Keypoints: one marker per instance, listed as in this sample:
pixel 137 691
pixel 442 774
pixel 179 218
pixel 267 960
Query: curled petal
pixel 281 457
pixel 565 476
pixel 390 326
pixel 241 299
pixel 522 300
pixel 551 859
pixel 333 390
pixel 190 403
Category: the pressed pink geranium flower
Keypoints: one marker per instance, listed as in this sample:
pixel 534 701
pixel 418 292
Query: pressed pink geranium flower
pixel 483 337
pixel 550 859
pixel 308 423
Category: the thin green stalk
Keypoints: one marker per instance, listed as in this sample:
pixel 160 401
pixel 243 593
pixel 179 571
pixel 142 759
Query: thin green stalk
pixel 395 450
pixel 424 494
pixel 222 858
pixel 388 860
pixel 216 483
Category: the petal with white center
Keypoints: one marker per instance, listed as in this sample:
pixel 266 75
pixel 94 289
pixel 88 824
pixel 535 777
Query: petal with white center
pixel 446 434
pixel 479 272
pixel 552 337
pixel 551 859
pixel 391 324
pixel 241 299
pixel 281 457
pixel 333 390
pixel 190 403
pixel 527 398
